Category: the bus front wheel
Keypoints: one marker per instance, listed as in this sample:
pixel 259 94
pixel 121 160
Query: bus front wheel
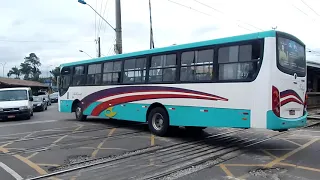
pixel 79 113
pixel 158 121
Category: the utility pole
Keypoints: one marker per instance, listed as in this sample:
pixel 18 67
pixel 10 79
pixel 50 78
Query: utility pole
pixel 118 29
pixel 151 31
pixel 99 47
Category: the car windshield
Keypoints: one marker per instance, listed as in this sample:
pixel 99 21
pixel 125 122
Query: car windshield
pixel 37 99
pixel 13 95
pixel 54 95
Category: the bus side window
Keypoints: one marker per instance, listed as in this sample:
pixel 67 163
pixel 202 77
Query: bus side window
pixel 111 72
pixel 94 74
pixel 197 65
pixel 135 70
pixel 239 62
pixel 163 68
pixel 78 76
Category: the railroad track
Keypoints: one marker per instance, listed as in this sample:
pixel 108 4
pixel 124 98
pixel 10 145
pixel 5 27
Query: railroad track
pixel 167 162
pixel 73 142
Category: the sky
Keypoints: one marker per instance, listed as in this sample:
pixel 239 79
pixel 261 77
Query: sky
pixel 57 29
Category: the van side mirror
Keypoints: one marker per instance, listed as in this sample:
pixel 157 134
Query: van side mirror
pixel 44 99
pixel 31 98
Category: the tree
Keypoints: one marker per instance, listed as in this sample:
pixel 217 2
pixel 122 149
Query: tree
pixel 34 62
pixel 25 69
pixel 14 71
pixel 55 73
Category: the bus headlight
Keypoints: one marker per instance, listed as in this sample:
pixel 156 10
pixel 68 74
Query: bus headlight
pixel 1 109
pixel 23 107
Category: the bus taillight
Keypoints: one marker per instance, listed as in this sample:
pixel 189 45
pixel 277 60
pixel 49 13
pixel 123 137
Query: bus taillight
pixel 305 101
pixel 275 101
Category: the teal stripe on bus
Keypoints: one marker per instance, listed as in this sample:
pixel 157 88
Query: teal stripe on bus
pixel 214 117
pixel 276 123
pixel 66 106
pixel 245 37
pixel 180 115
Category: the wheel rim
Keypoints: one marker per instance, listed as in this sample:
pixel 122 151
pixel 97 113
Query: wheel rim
pixel 78 112
pixel 157 121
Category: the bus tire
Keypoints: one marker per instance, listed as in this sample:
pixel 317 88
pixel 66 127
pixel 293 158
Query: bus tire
pixel 79 113
pixel 158 121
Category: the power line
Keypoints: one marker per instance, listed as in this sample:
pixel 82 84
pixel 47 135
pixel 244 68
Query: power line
pixel 310 7
pixel 190 8
pixel 300 10
pixel 99 21
pixel 200 12
pixel 104 12
pixel 225 14
pixel 26 41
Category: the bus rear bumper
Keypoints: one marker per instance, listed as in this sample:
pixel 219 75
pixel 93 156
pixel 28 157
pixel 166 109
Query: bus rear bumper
pixel 277 123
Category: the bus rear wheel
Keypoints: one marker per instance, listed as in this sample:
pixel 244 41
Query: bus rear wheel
pixel 158 121
pixel 79 113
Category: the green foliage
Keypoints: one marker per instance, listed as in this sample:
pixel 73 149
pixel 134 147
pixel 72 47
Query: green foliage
pixel 14 71
pixel 55 73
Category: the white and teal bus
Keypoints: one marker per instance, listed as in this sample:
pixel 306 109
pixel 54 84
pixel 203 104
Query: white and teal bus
pixel 249 81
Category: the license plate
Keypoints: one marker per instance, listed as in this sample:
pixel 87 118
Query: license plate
pixel 292 112
pixel 11 116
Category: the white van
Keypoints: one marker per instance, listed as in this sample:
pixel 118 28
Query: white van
pixel 16 103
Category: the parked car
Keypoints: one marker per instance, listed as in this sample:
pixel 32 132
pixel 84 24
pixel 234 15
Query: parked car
pixel 16 103
pixel 54 97
pixel 39 103
pixel 46 96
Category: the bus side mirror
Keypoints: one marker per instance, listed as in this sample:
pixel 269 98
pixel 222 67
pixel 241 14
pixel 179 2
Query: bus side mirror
pixel 31 99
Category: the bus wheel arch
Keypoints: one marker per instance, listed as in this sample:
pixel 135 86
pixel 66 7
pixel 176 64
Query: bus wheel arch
pixel 158 119
pixel 76 108
pixel 75 105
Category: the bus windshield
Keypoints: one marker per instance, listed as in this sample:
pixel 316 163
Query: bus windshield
pixel 291 56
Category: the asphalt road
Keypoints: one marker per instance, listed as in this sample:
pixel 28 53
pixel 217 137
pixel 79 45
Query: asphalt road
pixel 54 145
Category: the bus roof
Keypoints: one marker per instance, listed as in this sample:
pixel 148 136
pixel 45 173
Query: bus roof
pixel 271 33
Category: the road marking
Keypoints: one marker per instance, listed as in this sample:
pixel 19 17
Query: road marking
pixel 27 123
pixel 291 142
pixel 226 170
pixel 268 153
pixel 52 165
pixel 31 164
pixel 11 171
pixel 95 152
pixel 245 165
pixel 152 140
pixel 277 160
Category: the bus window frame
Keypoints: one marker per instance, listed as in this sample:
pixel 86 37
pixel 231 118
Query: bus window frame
pixel 214 79
pixel 284 69
pixel 240 43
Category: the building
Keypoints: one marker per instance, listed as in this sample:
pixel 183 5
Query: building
pixel 9 83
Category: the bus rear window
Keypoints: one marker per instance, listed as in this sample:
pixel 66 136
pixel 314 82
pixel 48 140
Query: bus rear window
pixel 291 57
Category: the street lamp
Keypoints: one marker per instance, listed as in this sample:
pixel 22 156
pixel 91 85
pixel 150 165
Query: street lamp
pixel 3 64
pixel 117 29
pixel 85 53
pixel 85 3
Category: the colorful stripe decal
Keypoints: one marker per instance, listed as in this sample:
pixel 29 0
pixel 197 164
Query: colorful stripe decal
pixel 101 107
pixel 150 92
pixel 86 101
pixel 290 92
pixel 296 98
